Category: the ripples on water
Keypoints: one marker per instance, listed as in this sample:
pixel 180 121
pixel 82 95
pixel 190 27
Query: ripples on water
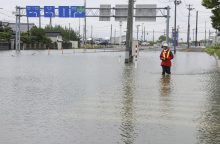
pixel 95 98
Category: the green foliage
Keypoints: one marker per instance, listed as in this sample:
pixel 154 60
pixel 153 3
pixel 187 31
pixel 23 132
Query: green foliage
pixel 67 34
pixel 5 33
pixel 36 35
pixel 215 6
pixel 212 50
pixel 39 35
pixel 163 38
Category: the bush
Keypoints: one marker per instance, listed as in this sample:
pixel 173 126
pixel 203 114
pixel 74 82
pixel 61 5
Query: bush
pixel 212 50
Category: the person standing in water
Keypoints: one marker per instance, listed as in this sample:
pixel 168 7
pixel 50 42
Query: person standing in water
pixel 166 56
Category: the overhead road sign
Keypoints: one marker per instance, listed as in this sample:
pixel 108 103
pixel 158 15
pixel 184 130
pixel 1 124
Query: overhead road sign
pixel 146 12
pixel 49 11
pixel 64 11
pixel 121 12
pixel 105 13
pixel 33 11
pixel 77 12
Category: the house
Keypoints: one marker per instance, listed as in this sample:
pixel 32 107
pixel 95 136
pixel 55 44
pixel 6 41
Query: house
pixel 55 37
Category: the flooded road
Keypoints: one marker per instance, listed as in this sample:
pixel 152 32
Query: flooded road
pixel 94 98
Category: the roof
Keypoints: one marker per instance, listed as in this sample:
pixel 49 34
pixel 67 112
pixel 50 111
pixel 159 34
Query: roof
pixel 53 34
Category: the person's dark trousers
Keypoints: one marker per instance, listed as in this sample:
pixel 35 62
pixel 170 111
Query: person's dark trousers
pixel 166 69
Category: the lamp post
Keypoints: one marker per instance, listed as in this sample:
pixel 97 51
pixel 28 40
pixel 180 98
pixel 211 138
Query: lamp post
pixel 176 2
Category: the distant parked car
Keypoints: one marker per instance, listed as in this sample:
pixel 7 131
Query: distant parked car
pixel 145 44
pixel 105 42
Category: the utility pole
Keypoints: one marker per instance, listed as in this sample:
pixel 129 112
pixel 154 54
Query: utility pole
pixel 205 33
pixel 176 2
pixel 188 33
pixel 153 36
pixel 111 35
pixel 138 31
pixel 144 34
pixel 120 24
pixel 129 34
pixel 114 36
pixel 193 35
pixel 196 28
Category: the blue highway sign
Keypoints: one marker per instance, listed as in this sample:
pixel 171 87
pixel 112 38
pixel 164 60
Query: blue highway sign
pixel 78 12
pixel 49 11
pixel 64 11
pixel 33 11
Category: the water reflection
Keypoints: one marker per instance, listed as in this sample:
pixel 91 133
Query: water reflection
pixel 127 112
pixel 165 88
pixel 209 128
pixel 165 99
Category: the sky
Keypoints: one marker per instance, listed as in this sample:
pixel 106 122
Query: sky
pixel 103 29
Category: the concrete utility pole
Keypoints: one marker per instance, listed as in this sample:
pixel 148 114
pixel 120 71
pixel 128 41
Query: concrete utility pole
pixel 176 2
pixel 188 32
pixel 196 28
pixel 144 34
pixel 129 34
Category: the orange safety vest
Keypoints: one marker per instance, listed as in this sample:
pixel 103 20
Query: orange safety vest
pixel 166 54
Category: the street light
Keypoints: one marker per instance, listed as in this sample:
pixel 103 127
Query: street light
pixel 176 2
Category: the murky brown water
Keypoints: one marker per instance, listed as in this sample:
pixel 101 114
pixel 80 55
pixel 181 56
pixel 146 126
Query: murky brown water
pixel 94 98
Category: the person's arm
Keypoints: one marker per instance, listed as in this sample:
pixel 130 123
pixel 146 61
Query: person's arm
pixel 171 56
pixel 161 56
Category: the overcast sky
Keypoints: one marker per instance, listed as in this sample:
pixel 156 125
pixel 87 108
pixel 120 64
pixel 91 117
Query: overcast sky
pixel 102 29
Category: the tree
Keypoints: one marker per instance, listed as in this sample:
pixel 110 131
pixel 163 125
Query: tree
pixel 5 33
pixel 214 5
pixel 67 34
pixel 163 38
pixel 35 35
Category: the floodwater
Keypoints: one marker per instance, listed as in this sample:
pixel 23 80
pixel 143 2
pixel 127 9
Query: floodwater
pixel 94 98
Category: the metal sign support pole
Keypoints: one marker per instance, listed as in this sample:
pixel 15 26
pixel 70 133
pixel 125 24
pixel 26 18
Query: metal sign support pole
pixel 17 35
